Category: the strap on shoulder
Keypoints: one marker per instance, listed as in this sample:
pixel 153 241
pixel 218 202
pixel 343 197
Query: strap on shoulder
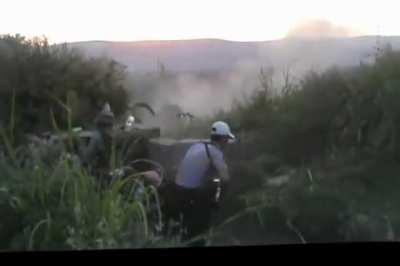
pixel 208 153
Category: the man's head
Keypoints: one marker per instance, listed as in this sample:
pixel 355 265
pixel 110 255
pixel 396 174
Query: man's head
pixel 221 133
pixel 105 120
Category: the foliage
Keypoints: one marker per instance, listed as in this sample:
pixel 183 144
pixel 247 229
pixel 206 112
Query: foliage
pixel 338 132
pixel 38 74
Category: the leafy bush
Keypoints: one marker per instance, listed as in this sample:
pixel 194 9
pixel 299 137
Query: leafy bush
pixel 338 131
pixel 41 76
pixel 61 206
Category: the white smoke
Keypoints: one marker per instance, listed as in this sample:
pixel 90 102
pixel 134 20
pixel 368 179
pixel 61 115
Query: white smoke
pixel 316 29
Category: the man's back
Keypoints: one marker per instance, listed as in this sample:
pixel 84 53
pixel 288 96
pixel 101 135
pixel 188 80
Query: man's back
pixel 195 166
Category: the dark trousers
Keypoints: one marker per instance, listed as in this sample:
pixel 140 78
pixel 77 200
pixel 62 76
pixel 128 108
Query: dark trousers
pixel 195 207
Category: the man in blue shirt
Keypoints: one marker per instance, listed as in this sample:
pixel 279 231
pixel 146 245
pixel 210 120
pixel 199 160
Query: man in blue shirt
pixel 202 163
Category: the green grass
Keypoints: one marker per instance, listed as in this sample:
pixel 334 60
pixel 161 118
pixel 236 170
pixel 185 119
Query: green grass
pixel 57 204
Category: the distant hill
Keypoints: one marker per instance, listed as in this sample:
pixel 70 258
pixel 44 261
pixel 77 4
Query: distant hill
pixel 214 54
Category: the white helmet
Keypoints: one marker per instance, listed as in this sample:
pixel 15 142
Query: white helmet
pixel 221 129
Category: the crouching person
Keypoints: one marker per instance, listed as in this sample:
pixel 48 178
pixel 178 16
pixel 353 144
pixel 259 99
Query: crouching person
pixel 194 189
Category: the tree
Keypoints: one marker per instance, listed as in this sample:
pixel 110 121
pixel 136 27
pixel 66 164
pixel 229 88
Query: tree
pixel 49 80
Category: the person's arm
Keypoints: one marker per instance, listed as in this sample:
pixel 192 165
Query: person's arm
pixel 220 165
pixel 222 169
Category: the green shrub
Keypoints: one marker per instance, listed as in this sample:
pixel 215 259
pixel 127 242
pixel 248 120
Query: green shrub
pixel 41 76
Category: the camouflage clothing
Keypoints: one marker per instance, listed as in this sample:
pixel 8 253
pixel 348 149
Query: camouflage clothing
pixel 97 154
pixel 97 151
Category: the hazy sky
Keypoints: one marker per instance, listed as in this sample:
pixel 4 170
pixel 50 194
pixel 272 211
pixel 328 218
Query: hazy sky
pixel 239 20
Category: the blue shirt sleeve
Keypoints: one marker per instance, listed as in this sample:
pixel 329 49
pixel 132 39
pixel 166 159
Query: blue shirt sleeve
pixel 219 163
